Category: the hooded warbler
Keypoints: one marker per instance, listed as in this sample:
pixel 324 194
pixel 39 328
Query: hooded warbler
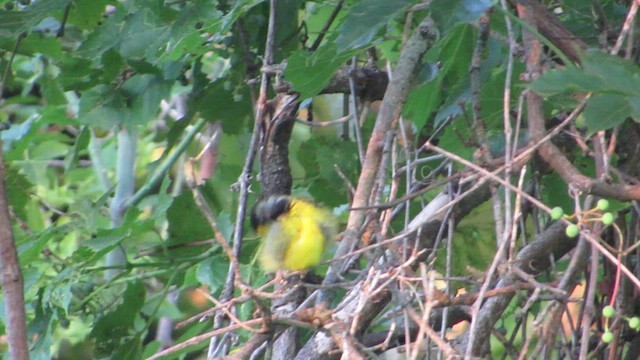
pixel 295 232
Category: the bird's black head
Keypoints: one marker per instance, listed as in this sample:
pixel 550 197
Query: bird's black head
pixel 269 209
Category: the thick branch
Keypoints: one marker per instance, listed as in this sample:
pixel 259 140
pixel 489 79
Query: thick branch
pixel 394 98
pixel 274 159
pixel 455 315
pixel 551 28
pixel 12 283
pixel 370 83
pixel 553 243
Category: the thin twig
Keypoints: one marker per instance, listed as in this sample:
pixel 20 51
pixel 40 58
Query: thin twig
pixel 325 123
pixel 326 26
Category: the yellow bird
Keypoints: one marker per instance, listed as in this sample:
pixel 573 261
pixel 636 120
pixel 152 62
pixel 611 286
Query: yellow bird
pixel 295 232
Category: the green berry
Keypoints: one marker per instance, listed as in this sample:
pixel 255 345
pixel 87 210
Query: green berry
pixel 603 204
pixel 572 230
pixel 607 218
pixel 608 311
pixel 634 323
pixel 607 337
pixel 556 213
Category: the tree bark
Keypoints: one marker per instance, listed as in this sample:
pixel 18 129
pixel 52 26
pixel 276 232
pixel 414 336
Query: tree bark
pixel 12 283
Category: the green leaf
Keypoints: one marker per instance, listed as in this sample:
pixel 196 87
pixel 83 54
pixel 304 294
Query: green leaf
pixel 617 75
pixel 16 132
pixel 614 82
pixel 451 86
pixel 51 89
pixel 229 106
pixel 212 272
pixel 59 295
pixel 17 190
pixel 319 156
pixel 145 93
pixel 34 43
pixel 116 325
pixel 131 350
pixel 365 19
pixel 78 74
pixel 31 250
pixel 49 149
pixel 186 224
pixel 604 111
pixel 140 34
pixel 42 326
pixel 112 66
pixel 103 38
pixel 428 72
pixel 82 141
pixel 14 22
pixel 448 13
pixel 100 243
pixel 240 8
pixel 455 133
pixel 555 192
pixel 86 14
pixel 309 73
pixel 103 106
pixel 570 79
pixel 184 35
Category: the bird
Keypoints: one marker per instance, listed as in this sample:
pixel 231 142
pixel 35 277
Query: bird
pixel 295 232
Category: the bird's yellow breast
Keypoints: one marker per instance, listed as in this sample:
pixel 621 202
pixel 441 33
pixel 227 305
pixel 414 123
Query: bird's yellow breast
pixel 298 238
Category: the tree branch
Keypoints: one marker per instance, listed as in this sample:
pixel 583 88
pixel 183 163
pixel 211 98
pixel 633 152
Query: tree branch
pixel 12 283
